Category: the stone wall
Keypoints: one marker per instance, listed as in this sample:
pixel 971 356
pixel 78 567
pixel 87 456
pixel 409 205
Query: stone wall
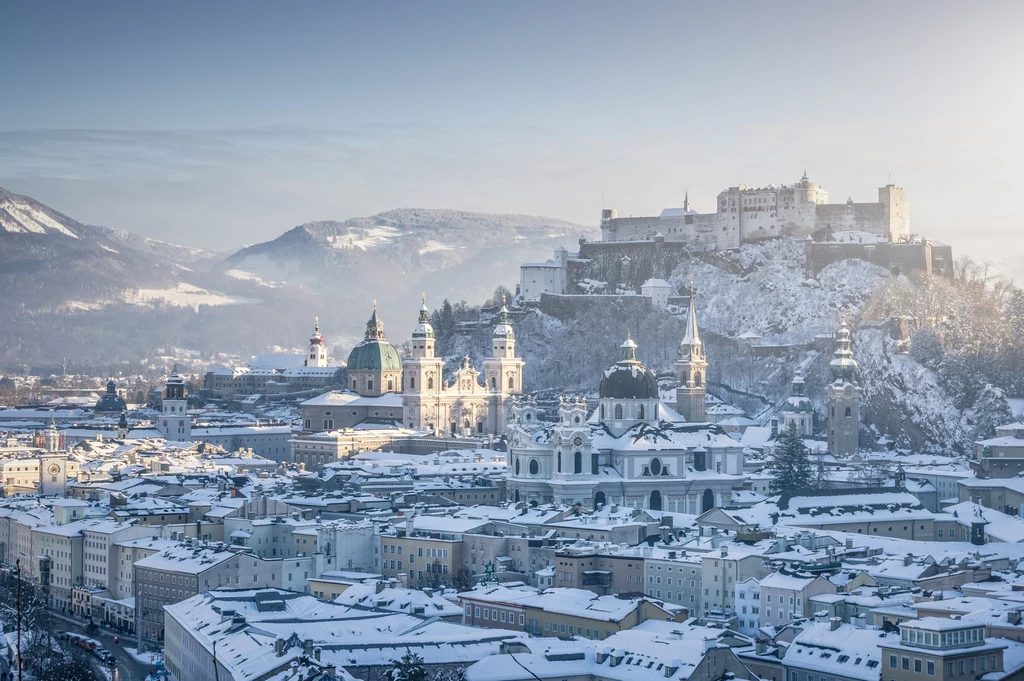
pixel 568 306
pixel 625 264
pixel 901 258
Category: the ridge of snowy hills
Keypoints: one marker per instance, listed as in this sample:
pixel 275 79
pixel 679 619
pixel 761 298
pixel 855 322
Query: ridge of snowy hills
pixel 104 295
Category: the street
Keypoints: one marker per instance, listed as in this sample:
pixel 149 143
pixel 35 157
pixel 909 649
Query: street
pixel 127 669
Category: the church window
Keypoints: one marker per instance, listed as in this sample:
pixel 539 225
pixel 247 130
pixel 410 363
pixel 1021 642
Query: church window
pixel 479 426
pixel 655 466
pixel 430 383
pixel 307 424
pixel 517 466
pixel 559 462
pixel 848 413
pixel 353 384
pixel 412 382
pixel 369 384
pixel 511 383
pixel 577 459
pixel 534 467
pixel 391 384
pixel 640 411
pixel 494 383
pixel 696 379
pixel 593 463
pixel 618 411
pixel 602 411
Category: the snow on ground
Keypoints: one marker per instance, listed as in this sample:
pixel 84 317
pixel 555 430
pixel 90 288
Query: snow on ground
pixel 364 239
pixel 777 300
pixel 80 306
pixel 250 276
pixel 184 295
pixel 143 658
pixel 24 218
pixel 433 246
pixel 108 249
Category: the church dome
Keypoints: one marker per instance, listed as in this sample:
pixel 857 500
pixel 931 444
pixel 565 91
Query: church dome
pixel 798 400
pixel 628 378
pixel 374 353
pixel 503 329
pixel 111 402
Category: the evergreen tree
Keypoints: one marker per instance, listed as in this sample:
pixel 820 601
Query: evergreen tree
pixel 409 668
pixel 991 410
pixel 790 469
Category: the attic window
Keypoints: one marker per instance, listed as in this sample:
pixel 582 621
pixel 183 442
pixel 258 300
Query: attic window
pixel 842 658
pixel 872 664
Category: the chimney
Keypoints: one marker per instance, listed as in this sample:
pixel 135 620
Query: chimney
pixel 279 647
pixel 834 623
pixel 725 551
pixel 760 647
pixel 775 428
pixel 307 647
pixel 316 653
pixel 380 586
pixel 849 544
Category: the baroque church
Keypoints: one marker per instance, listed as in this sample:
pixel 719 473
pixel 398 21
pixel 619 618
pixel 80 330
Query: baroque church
pixel 389 390
pixel 632 449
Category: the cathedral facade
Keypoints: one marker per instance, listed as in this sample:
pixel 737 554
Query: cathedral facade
pixel 631 450
pixel 472 403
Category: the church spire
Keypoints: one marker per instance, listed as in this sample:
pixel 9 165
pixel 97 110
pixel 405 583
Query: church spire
pixel 374 326
pixel 691 338
pixel 686 202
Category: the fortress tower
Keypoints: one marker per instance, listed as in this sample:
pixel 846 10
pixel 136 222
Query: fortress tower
pixel 691 370
pixel 843 397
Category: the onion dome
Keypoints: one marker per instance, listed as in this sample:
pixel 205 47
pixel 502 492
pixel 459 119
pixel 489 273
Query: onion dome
pixel 423 328
pixel 628 378
pixel 374 353
pixel 844 366
pixel 504 329
pixel 111 403
pixel 798 400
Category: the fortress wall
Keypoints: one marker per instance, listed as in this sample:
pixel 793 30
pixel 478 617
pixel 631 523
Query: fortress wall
pixel 627 264
pixel 569 306
pixel 906 258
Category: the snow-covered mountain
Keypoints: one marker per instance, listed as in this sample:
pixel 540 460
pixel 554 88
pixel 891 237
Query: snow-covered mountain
pixel 392 257
pixel 100 294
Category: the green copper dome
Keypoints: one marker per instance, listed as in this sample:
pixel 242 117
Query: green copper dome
pixel 374 353
pixel 111 402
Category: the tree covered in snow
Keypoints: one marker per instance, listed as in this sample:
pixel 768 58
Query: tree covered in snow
pixel 409 668
pixel 790 469
pixel 990 410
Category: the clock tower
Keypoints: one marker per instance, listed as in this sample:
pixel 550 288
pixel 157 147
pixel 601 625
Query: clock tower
pixel 53 466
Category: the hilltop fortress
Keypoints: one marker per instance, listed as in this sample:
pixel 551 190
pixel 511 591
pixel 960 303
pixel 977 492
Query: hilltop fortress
pixel 637 254
pixel 749 214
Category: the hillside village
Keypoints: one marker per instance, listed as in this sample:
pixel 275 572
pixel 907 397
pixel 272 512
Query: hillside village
pixel 735 471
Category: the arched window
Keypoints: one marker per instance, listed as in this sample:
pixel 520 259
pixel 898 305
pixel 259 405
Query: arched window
pixel 602 412
pixel 577 462
pixel 599 500
pixel 479 427
pixel 655 502
pixel 353 384
pixel 494 383
pixel 328 424
pixel 696 379
pixel 534 467
pixel 430 383
pixel 593 463
pixel 618 412
pixel 517 466
pixel 391 384
pixel 848 413
pixel 511 383
pixel 640 411
pixel 559 462
pixel 412 382
pixel 307 424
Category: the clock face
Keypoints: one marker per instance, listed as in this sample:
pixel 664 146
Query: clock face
pixel 578 440
pixel 54 469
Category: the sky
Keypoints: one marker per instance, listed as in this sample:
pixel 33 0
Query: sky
pixel 222 124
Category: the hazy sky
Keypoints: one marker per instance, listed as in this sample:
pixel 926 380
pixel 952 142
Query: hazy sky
pixel 226 123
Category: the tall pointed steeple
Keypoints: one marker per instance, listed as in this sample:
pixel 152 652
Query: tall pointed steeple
pixel 686 202
pixel 691 369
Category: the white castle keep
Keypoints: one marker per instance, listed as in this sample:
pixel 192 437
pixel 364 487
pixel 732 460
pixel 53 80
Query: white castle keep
pixel 749 214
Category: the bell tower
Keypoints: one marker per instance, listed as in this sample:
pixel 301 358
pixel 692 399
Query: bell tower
pixel 317 355
pixel 691 370
pixel 503 371
pixel 843 396
pixel 53 464
pixel 175 423
pixel 423 372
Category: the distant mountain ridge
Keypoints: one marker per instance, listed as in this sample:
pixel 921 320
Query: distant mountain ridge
pixel 105 295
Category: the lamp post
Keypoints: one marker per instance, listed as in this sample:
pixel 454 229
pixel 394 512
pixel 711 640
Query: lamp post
pixel 17 569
